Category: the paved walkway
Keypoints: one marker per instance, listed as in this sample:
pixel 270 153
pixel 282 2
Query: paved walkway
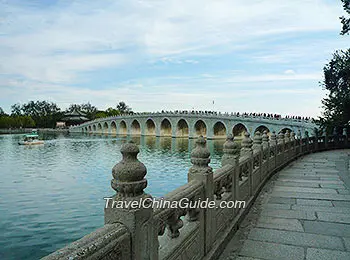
pixel 302 213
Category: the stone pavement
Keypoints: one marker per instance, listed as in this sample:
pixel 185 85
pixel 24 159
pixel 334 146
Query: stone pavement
pixel 303 212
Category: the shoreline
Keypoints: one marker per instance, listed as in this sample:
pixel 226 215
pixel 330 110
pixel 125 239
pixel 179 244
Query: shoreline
pixel 29 130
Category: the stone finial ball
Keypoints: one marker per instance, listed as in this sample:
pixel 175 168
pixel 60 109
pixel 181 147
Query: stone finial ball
pixel 129 169
pixel 200 151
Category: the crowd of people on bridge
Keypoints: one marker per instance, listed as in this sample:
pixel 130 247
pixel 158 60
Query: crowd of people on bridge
pixel 233 114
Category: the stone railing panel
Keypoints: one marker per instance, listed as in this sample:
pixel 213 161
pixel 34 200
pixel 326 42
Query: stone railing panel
pixel 109 242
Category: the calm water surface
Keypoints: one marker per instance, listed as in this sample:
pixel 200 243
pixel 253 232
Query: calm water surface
pixel 52 194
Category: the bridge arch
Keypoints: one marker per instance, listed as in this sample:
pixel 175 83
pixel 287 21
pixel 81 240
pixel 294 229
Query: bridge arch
pixel 261 129
pixel 94 128
pixel 123 130
pixel 283 130
pixel 105 128
pixel 200 128
pixel 219 130
pixel 135 128
pixel 165 127
pixel 150 128
pixel 182 129
pixel 90 128
pixel 113 128
pixel 239 130
pixel 99 128
pixel 86 129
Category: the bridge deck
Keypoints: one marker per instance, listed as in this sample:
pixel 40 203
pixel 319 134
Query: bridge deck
pixel 302 213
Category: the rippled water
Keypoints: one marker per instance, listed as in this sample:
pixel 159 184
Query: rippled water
pixel 52 194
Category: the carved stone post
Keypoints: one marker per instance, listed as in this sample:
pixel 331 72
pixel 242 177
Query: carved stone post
pixel 258 148
pixel 231 156
pixel 316 139
pixel 129 183
pixel 307 141
pixel 246 144
pixel 266 151
pixel 201 171
pixel 293 143
pixel 287 139
pixel 247 151
pixel 273 147
pixel 281 149
pixel 300 141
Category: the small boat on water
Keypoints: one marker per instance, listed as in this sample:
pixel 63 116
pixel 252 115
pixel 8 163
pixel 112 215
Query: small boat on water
pixel 31 139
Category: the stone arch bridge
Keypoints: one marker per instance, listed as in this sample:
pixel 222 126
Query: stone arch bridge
pixel 190 125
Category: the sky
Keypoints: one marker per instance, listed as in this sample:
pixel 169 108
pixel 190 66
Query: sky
pixel 246 56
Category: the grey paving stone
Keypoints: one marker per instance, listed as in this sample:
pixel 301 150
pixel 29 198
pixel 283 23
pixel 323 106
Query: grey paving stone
pixel 312 181
pixel 279 200
pixel 345 204
pixel 277 206
pixel 324 254
pixel 347 243
pixel 284 213
pixel 299 177
pixel 297 184
pixel 329 178
pixel 320 208
pixel 308 195
pixel 327 228
pixel 307 190
pixel 245 258
pixel 280 223
pixel 324 203
pixel 333 217
pixel 271 251
pixel 332 186
pixel 296 238
pixel 343 191
pixel 327 170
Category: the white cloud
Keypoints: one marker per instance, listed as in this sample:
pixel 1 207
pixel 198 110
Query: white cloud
pixel 49 48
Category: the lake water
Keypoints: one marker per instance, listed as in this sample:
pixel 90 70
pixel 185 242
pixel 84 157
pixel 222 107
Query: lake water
pixel 52 194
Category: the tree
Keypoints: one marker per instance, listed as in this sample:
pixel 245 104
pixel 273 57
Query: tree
pixel 112 112
pixel 337 81
pixel 100 114
pixel 16 110
pixel 2 113
pixel 44 113
pixel 123 108
pixel 345 21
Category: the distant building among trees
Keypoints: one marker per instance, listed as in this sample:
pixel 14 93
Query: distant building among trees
pixel 72 118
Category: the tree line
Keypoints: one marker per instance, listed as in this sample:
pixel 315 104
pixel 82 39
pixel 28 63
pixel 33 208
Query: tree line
pixel 45 114
pixel 336 106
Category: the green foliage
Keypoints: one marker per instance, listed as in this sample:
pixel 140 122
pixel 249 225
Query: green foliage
pixel 2 113
pixel 44 113
pixel 337 81
pixel 16 121
pixel 112 112
pixel 100 114
pixel 123 108
pixel 345 20
pixel 16 110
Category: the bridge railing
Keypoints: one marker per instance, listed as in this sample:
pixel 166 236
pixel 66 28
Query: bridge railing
pixel 193 113
pixel 187 231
